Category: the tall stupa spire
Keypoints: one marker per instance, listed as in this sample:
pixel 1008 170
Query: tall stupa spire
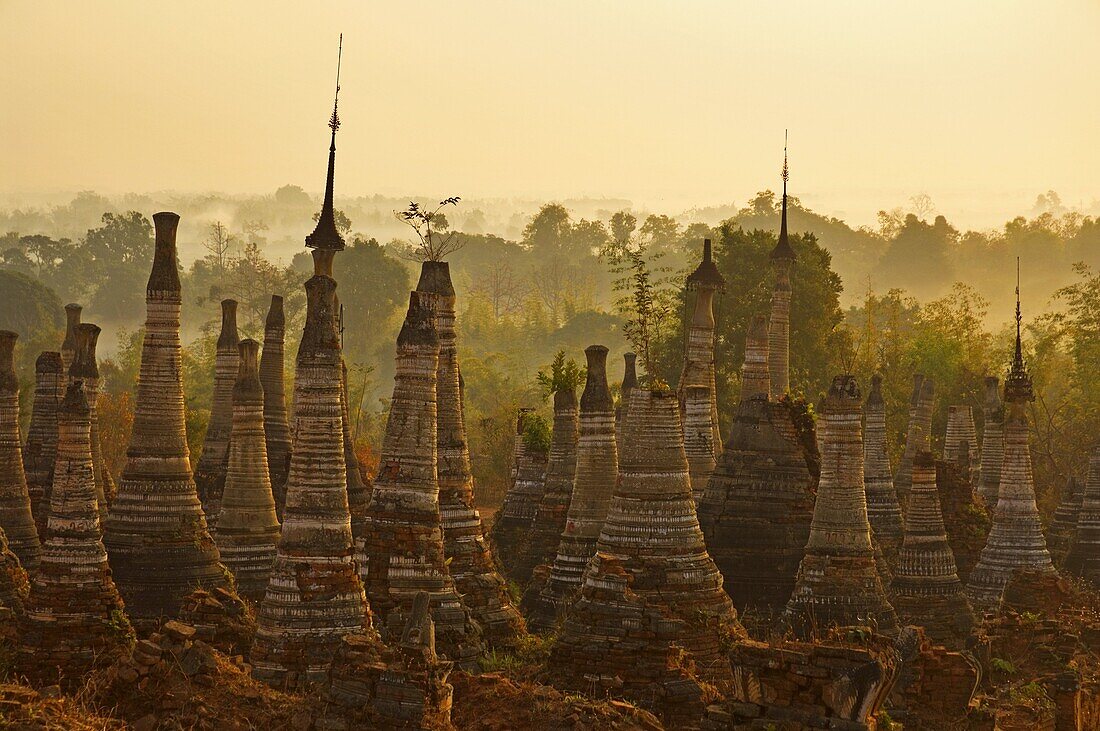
pixel 325 235
pixel 779 323
pixel 783 248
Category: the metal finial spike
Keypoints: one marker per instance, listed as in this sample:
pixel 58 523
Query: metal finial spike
pixel 786 171
pixel 334 122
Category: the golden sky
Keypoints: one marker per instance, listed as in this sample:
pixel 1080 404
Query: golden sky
pixel 981 105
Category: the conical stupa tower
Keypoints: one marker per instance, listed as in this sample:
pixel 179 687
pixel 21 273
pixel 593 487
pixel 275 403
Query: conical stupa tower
pixel 156 535
pixel 1083 557
pixel 779 323
pixel 404 537
pixel 838 583
pixel 883 511
pixel 465 546
pixel 1016 539
pixel 630 382
pixel 210 472
pixel 16 519
pixel 698 389
pixel 85 368
pixel 652 529
pixel 993 444
pixel 68 345
pixel 314 596
pixel 926 590
pixel 74 612
pixel 248 529
pixel 757 507
pixel 359 489
pixel 276 425
pixel 512 524
pixel 597 467
pixel 561 470
pixel 40 451
pixel 961 438
pixel 1063 527
pixel 918 438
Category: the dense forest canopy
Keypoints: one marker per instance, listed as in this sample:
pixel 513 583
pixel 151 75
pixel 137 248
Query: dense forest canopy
pixel 913 294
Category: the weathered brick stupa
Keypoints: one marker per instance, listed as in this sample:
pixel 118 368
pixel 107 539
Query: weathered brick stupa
pixel 779 324
pixel 698 390
pixel 314 596
pixel 961 440
pixel 838 583
pixel 40 450
pixel 1016 539
pixel 359 490
pixel 210 472
pixel 276 425
pixel 16 519
pixel 1063 526
pixel 1083 557
pixel 512 524
pixel 630 382
pixel 465 546
pixel 926 590
pixel 85 368
pixel 68 345
pixel 757 508
pixel 156 536
pixel 74 614
pixel 993 444
pixel 561 471
pixel 404 537
pixel 248 529
pixel 883 511
pixel 919 435
pixel 653 530
pixel 596 472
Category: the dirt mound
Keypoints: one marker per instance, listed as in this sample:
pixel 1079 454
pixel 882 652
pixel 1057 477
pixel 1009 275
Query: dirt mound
pixel 492 702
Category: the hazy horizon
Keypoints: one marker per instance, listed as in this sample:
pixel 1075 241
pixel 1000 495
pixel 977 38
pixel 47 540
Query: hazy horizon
pixel 671 105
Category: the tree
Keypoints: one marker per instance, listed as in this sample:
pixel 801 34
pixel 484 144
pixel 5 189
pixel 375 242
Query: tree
pixel 121 250
pixel 373 287
pixel 32 310
pixel 218 244
pixel 343 223
pixel 563 375
pixel 292 196
pixel 499 285
pixel 549 230
pixel 918 257
pixel 434 242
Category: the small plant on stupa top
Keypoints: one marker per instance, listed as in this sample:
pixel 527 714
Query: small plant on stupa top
pixel 650 305
pixel 435 241
pixel 563 375
pixel 536 433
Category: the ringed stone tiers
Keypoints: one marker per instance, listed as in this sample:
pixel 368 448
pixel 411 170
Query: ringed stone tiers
pixel 156 535
pixel 276 425
pixel 1016 539
pixel 404 537
pixel 926 590
pixel 596 472
pixel 961 440
pixel 757 508
pixel 74 612
pixel 248 529
pixel 15 504
pixel 561 470
pixel 13 585
pixel 210 472
pixel 630 382
pixel 993 444
pixel 1063 527
pixel 314 596
pixel 85 369
pixel 512 525
pixel 68 345
pixel 1083 558
pixel 359 490
pixel 698 391
pixel 779 325
pixel 883 511
pixel 838 583
pixel 652 529
pixel 40 451
pixel 465 546
pixel 919 435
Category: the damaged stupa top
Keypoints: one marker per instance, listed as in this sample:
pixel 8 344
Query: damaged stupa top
pixel 325 235
pixel 706 275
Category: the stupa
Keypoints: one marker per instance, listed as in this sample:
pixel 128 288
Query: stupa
pixel 779 323
pixel 16 519
pixel 1063 526
pixel 512 525
pixel 85 368
pixel 918 437
pixel 1083 556
pixel 993 444
pixel 210 472
pixel 276 425
pixel 883 511
pixel 40 449
pixel 961 440
pixel 156 535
